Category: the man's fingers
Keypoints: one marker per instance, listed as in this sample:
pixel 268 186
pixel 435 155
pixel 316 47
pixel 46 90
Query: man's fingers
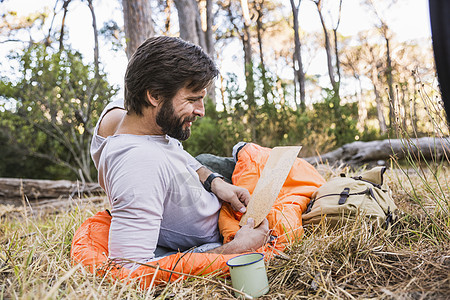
pixel 264 225
pixel 244 197
pixel 250 222
pixel 238 205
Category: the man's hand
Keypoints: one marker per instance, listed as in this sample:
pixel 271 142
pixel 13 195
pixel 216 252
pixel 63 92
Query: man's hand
pixel 246 239
pixel 249 238
pixel 237 196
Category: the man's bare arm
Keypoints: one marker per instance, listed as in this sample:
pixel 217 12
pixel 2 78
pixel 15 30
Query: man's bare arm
pixel 203 173
pixel 111 121
pixel 237 196
pixel 246 239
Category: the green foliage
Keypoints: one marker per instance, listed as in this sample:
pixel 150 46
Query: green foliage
pixel 336 120
pixel 372 134
pixel 320 128
pixel 216 133
pixel 205 137
pixel 53 102
pixel 113 35
pixel 16 161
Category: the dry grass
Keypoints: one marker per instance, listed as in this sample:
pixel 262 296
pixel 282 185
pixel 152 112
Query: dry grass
pixel 352 262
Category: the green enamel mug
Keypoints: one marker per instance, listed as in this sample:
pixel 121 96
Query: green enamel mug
pixel 248 274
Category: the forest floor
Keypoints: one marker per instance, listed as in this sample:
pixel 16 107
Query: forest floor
pixel 355 261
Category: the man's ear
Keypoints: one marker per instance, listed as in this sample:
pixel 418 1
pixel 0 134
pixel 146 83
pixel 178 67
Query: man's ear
pixel 152 100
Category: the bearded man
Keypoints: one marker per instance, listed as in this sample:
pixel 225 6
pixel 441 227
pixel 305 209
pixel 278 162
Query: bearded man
pixel 162 199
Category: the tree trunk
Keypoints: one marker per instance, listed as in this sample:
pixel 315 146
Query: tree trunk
pixel 138 23
pixel 362 107
pixel 94 27
pixel 63 22
pixel 190 24
pixel 84 143
pixel 188 14
pixel 373 74
pixel 336 54
pixel 336 50
pixel 298 69
pixel 209 39
pixel 327 49
pixel 191 29
pixel 249 80
pixel 297 102
pixel 380 113
pixel 392 100
pixel 244 35
pixel 259 29
pixel 384 30
pixel 247 47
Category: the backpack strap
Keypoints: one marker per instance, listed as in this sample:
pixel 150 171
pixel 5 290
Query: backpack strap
pixel 344 195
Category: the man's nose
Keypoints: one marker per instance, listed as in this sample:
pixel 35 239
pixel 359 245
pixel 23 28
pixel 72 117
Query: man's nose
pixel 199 109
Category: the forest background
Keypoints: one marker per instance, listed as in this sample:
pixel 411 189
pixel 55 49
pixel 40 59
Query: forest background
pixel 269 92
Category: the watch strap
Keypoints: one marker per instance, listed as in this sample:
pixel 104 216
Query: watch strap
pixel 208 181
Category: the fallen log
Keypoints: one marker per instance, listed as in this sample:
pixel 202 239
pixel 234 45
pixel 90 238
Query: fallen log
pixel 378 152
pixel 15 190
pixel 357 154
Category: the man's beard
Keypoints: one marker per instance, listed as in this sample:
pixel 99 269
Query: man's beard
pixel 171 124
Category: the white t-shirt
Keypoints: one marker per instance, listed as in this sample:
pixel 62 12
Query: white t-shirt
pixel 155 195
pixel 97 140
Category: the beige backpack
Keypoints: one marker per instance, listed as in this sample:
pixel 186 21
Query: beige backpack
pixel 344 199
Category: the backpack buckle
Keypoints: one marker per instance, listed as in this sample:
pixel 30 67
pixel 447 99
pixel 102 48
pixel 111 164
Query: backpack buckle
pixel 344 195
pixel 310 205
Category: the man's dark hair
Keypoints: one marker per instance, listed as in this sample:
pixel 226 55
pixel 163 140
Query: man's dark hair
pixel 163 65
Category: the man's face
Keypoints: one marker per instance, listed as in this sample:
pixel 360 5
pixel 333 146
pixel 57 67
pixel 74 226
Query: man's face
pixel 175 116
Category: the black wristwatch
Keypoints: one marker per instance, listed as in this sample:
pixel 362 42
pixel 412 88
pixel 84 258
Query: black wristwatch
pixel 208 181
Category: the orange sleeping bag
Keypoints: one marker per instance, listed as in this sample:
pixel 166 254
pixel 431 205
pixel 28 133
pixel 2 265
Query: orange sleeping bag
pixel 285 217
pixel 90 241
pixel 90 248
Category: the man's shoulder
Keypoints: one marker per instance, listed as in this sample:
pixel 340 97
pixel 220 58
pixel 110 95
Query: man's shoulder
pixel 133 143
pixel 136 148
pixel 110 122
pixel 129 156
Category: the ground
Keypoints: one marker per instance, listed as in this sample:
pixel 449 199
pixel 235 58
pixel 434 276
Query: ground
pixel 354 261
